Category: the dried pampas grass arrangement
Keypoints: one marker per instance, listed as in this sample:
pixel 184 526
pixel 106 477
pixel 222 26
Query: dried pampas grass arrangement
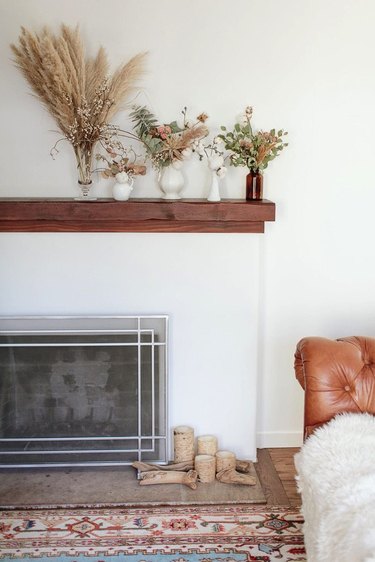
pixel 77 91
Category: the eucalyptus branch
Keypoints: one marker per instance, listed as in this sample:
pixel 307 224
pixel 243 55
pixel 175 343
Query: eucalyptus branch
pixel 166 143
pixel 252 149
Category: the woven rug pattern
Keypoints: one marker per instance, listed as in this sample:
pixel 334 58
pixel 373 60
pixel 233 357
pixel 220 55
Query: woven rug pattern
pixel 162 534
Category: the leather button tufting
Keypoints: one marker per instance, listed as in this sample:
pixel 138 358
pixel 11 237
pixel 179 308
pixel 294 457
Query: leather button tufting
pixel 345 367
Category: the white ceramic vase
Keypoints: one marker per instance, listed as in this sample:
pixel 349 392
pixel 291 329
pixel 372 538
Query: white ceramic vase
pixel 122 189
pixel 214 193
pixel 171 181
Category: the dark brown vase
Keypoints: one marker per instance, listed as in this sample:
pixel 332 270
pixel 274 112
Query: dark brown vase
pixel 254 186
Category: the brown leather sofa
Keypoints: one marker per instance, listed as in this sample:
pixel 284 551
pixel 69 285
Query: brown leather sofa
pixel 337 376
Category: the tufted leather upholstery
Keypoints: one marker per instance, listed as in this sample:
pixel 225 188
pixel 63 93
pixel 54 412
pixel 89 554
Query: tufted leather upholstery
pixel 337 376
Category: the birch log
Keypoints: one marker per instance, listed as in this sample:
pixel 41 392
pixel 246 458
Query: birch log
pixel 207 445
pixel 225 460
pixel 231 476
pixel 205 465
pixel 183 443
pixel 171 477
pixel 147 467
pixel 243 466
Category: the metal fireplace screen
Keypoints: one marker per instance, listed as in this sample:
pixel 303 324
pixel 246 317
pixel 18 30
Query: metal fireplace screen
pixel 83 391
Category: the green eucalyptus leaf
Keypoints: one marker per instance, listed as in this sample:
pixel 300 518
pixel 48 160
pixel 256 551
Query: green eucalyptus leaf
pixel 175 128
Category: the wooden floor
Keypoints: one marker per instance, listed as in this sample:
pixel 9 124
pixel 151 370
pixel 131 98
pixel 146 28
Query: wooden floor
pixel 276 471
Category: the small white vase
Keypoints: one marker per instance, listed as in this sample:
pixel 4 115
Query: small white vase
pixel 171 182
pixel 214 193
pixel 121 191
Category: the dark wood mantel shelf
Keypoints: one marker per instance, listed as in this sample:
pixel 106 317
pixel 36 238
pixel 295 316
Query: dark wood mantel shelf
pixel 135 215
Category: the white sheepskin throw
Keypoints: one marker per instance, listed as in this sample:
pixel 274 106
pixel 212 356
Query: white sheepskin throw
pixel 336 477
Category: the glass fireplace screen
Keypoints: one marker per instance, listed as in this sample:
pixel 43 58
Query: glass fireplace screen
pixel 80 391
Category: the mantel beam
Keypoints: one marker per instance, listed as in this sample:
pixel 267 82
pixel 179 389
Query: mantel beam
pixel 135 215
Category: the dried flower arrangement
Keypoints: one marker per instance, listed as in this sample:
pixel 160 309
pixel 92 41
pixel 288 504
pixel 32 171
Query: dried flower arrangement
pixel 167 144
pixel 252 149
pixel 76 91
pixel 121 162
pixel 214 152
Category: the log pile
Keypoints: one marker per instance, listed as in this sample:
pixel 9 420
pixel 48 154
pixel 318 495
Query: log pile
pixel 189 468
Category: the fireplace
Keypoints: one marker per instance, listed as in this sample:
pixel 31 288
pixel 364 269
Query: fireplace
pixel 77 391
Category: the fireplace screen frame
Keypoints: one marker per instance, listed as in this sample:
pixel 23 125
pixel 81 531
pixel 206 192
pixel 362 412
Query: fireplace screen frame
pixel 144 331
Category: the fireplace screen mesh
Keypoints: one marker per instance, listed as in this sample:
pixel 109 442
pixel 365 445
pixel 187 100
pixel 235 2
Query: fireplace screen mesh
pixel 83 391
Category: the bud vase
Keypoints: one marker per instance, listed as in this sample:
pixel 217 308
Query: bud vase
pixel 171 182
pixel 254 185
pixel 214 193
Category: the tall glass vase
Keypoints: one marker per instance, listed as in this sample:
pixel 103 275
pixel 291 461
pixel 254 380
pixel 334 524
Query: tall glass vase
pixel 84 188
pixel 254 185
pixel 84 155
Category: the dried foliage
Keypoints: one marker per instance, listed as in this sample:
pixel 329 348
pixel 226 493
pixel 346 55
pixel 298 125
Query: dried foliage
pixel 118 158
pixel 76 90
pixel 168 143
pixel 252 149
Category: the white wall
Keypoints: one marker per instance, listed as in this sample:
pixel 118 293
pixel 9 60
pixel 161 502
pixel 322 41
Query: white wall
pixel 305 66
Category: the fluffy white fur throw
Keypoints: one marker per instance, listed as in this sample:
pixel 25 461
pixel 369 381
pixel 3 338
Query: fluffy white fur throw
pixel 336 477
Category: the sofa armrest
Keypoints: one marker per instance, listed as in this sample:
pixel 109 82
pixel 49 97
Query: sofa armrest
pixel 337 376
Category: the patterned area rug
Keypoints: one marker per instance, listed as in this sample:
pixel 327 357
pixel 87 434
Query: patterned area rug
pixel 162 534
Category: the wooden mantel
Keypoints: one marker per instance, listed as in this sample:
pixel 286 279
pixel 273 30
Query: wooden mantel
pixel 135 215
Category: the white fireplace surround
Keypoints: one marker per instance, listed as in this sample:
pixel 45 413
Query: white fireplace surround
pixel 209 294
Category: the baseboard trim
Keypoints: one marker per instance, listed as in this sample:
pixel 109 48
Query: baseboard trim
pixel 266 439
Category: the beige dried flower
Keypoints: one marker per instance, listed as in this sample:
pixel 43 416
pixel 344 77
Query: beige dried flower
pixel 202 117
pixel 75 89
pixel 166 143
